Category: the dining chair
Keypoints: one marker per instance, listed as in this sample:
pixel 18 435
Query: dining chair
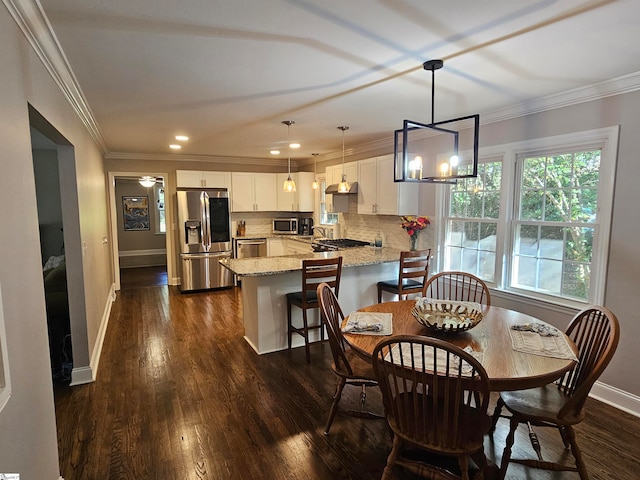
pixel 459 286
pixel 314 272
pixel 595 331
pixel 414 269
pixel 347 365
pixel 435 397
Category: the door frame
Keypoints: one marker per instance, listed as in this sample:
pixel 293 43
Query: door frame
pixel 113 220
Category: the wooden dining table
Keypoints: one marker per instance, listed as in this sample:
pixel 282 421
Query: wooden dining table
pixel 507 368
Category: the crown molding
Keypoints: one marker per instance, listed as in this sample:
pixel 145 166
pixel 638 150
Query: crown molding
pixel 173 157
pixel 35 26
pixel 608 88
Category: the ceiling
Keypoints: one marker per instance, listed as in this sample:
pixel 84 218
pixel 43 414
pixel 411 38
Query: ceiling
pixel 228 72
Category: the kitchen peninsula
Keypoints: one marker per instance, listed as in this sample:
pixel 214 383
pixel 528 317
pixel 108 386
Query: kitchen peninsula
pixel 266 281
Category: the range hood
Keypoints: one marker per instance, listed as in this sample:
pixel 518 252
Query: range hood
pixel 333 189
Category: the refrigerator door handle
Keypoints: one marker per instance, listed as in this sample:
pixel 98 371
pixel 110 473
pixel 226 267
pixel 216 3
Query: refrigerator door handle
pixel 204 215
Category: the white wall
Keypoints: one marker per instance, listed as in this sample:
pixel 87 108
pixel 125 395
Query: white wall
pixel 28 442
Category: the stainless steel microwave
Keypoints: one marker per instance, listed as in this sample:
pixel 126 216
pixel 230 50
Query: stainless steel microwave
pixel 287 226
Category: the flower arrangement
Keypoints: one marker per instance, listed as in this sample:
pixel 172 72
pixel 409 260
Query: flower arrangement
pixel 413 225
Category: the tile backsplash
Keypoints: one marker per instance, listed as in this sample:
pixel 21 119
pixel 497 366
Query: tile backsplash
pixel 366 227
pixel 353 225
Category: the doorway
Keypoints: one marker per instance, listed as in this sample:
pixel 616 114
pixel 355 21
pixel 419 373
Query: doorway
pixel 141 251
pixel 60 239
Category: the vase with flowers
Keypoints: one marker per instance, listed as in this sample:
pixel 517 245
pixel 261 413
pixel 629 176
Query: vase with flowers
pixel 413 226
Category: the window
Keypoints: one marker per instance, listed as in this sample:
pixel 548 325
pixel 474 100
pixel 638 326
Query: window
pixel 472 223
pixel 555 223
pixel 161 225
pixel 536 220
pixel 326 218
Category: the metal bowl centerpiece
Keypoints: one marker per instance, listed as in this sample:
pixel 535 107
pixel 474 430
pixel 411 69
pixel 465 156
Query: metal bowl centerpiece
pixel 447 316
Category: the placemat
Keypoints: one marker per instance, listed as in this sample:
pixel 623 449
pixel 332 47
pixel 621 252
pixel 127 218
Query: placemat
pixel 441 358
pixel 360 321
pixel 551 346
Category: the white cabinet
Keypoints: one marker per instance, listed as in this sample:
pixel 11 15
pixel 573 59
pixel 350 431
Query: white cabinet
pixel 196 179
pixel 253 192
pixel 276 247
pixel 379 194
pixel 302 199
pixel 340 202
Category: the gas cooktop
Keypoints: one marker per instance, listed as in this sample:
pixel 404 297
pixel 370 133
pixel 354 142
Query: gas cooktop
pixel 337 244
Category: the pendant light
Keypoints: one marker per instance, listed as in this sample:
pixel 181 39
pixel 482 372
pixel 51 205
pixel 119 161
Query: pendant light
pixel 314 185
pixel 343 186
pixel 429 152
pixel 289 185
pixel 147 181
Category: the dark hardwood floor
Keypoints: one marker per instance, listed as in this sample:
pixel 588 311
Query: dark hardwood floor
pixel 180 395
pixel 143 277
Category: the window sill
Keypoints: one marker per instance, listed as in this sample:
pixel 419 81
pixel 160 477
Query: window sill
pixel 562 306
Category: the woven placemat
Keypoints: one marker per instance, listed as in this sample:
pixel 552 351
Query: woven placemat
pixel 372 318
pixel 551 346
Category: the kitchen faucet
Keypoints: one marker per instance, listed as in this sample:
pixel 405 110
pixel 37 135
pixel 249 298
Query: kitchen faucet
pixel 322 230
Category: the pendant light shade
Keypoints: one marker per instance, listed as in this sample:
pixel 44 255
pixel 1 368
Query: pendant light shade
pixel 315 185
pixel 289 185
pixel 147 181
pixel 433 153
pixel 343 186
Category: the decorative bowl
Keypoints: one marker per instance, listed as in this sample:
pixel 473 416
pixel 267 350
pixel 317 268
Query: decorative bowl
pixel 447 316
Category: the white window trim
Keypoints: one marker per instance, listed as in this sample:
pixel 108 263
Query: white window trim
pixel 604 138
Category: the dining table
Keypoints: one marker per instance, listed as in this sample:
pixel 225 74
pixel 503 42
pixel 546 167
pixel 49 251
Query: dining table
pixel 507 368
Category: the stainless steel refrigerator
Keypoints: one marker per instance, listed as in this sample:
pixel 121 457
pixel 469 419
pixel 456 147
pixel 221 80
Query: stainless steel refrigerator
pixel 205 238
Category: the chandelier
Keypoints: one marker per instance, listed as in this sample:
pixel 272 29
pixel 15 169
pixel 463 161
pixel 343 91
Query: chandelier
pixel 433 152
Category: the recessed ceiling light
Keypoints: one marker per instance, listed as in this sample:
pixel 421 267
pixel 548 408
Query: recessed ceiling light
pixel 275 152
pixel 182 138
pixel 175 147
pixel 295 145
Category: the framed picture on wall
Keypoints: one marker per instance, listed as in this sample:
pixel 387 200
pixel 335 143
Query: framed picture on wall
pixel 136 213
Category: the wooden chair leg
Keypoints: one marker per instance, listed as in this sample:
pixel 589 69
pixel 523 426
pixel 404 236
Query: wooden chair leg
pixel 334 406
pixel 496 415
pixel 379 295
pixel 387 473
pixel 305 331
pixel 289 325
pixel 506 454
pixel 571 438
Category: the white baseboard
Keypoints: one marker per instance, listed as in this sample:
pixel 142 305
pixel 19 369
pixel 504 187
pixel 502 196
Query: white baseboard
pixel 142 253
pixel 88 374
pixel 615 397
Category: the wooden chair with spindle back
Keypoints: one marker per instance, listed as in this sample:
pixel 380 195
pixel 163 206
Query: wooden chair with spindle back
pixel 350 368
pixel 595 331
pixel 314 272
pixel 414 270
pixel 459 286
pixel 435 398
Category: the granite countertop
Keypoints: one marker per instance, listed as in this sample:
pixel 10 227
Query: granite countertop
pixel 351 257
pixel 299 238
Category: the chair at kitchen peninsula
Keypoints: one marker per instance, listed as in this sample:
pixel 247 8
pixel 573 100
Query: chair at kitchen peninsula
pixel 414 269
pixel 314 272
pixel 350 368
pixel 459 286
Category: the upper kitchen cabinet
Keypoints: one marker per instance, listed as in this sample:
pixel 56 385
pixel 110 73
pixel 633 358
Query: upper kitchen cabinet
pixel 196 179
pixel 340 202
pixel 378 194
pixel 302 199
pixel 253 192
